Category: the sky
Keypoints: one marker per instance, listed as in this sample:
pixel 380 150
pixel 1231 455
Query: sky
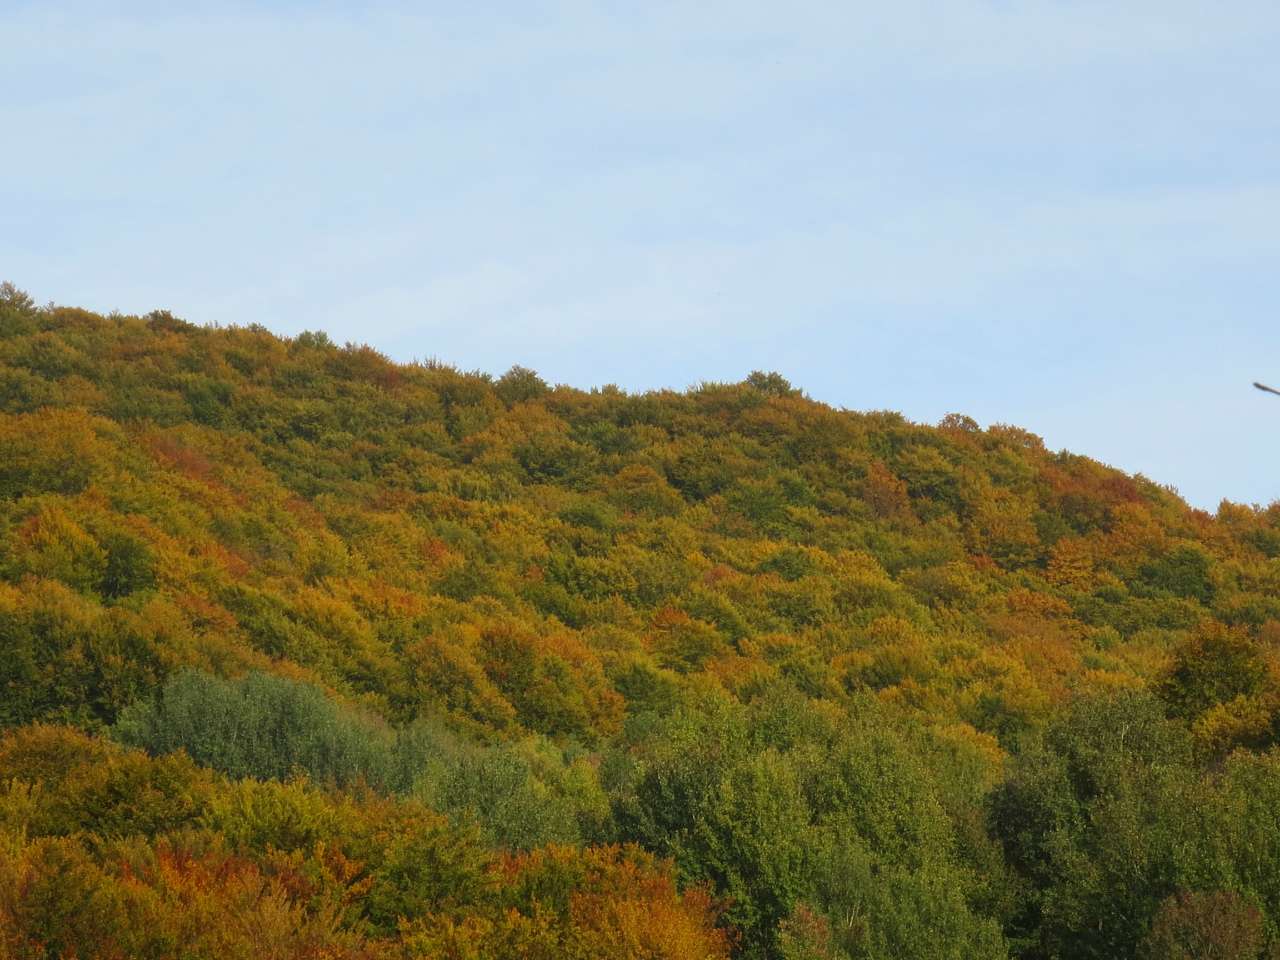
pixel 1060 215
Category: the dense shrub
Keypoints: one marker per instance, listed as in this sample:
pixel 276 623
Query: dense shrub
pixel 261 726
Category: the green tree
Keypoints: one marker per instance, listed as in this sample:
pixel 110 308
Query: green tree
pixel 259 726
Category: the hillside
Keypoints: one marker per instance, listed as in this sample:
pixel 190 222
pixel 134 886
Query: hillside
pixel 395 660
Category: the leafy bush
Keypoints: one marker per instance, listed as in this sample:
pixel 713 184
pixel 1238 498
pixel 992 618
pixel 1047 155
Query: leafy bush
pixel 261 726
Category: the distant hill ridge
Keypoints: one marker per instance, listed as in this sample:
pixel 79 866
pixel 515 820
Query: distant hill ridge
pixel 193 518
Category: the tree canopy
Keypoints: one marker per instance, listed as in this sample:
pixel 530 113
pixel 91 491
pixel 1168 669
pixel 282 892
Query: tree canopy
pixel 399 660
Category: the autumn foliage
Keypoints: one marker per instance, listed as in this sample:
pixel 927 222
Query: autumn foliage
pixel 305 653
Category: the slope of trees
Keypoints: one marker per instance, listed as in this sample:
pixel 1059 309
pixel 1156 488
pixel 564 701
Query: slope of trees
pixel 396 660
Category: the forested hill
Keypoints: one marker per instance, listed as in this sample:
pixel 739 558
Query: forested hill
pixel 395 660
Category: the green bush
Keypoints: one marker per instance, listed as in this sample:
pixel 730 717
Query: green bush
pixel 260 726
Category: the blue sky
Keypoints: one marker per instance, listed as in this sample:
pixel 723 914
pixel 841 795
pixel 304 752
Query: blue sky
pixel 1063 215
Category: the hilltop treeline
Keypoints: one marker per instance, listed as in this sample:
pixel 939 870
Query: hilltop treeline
pixel 307 652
